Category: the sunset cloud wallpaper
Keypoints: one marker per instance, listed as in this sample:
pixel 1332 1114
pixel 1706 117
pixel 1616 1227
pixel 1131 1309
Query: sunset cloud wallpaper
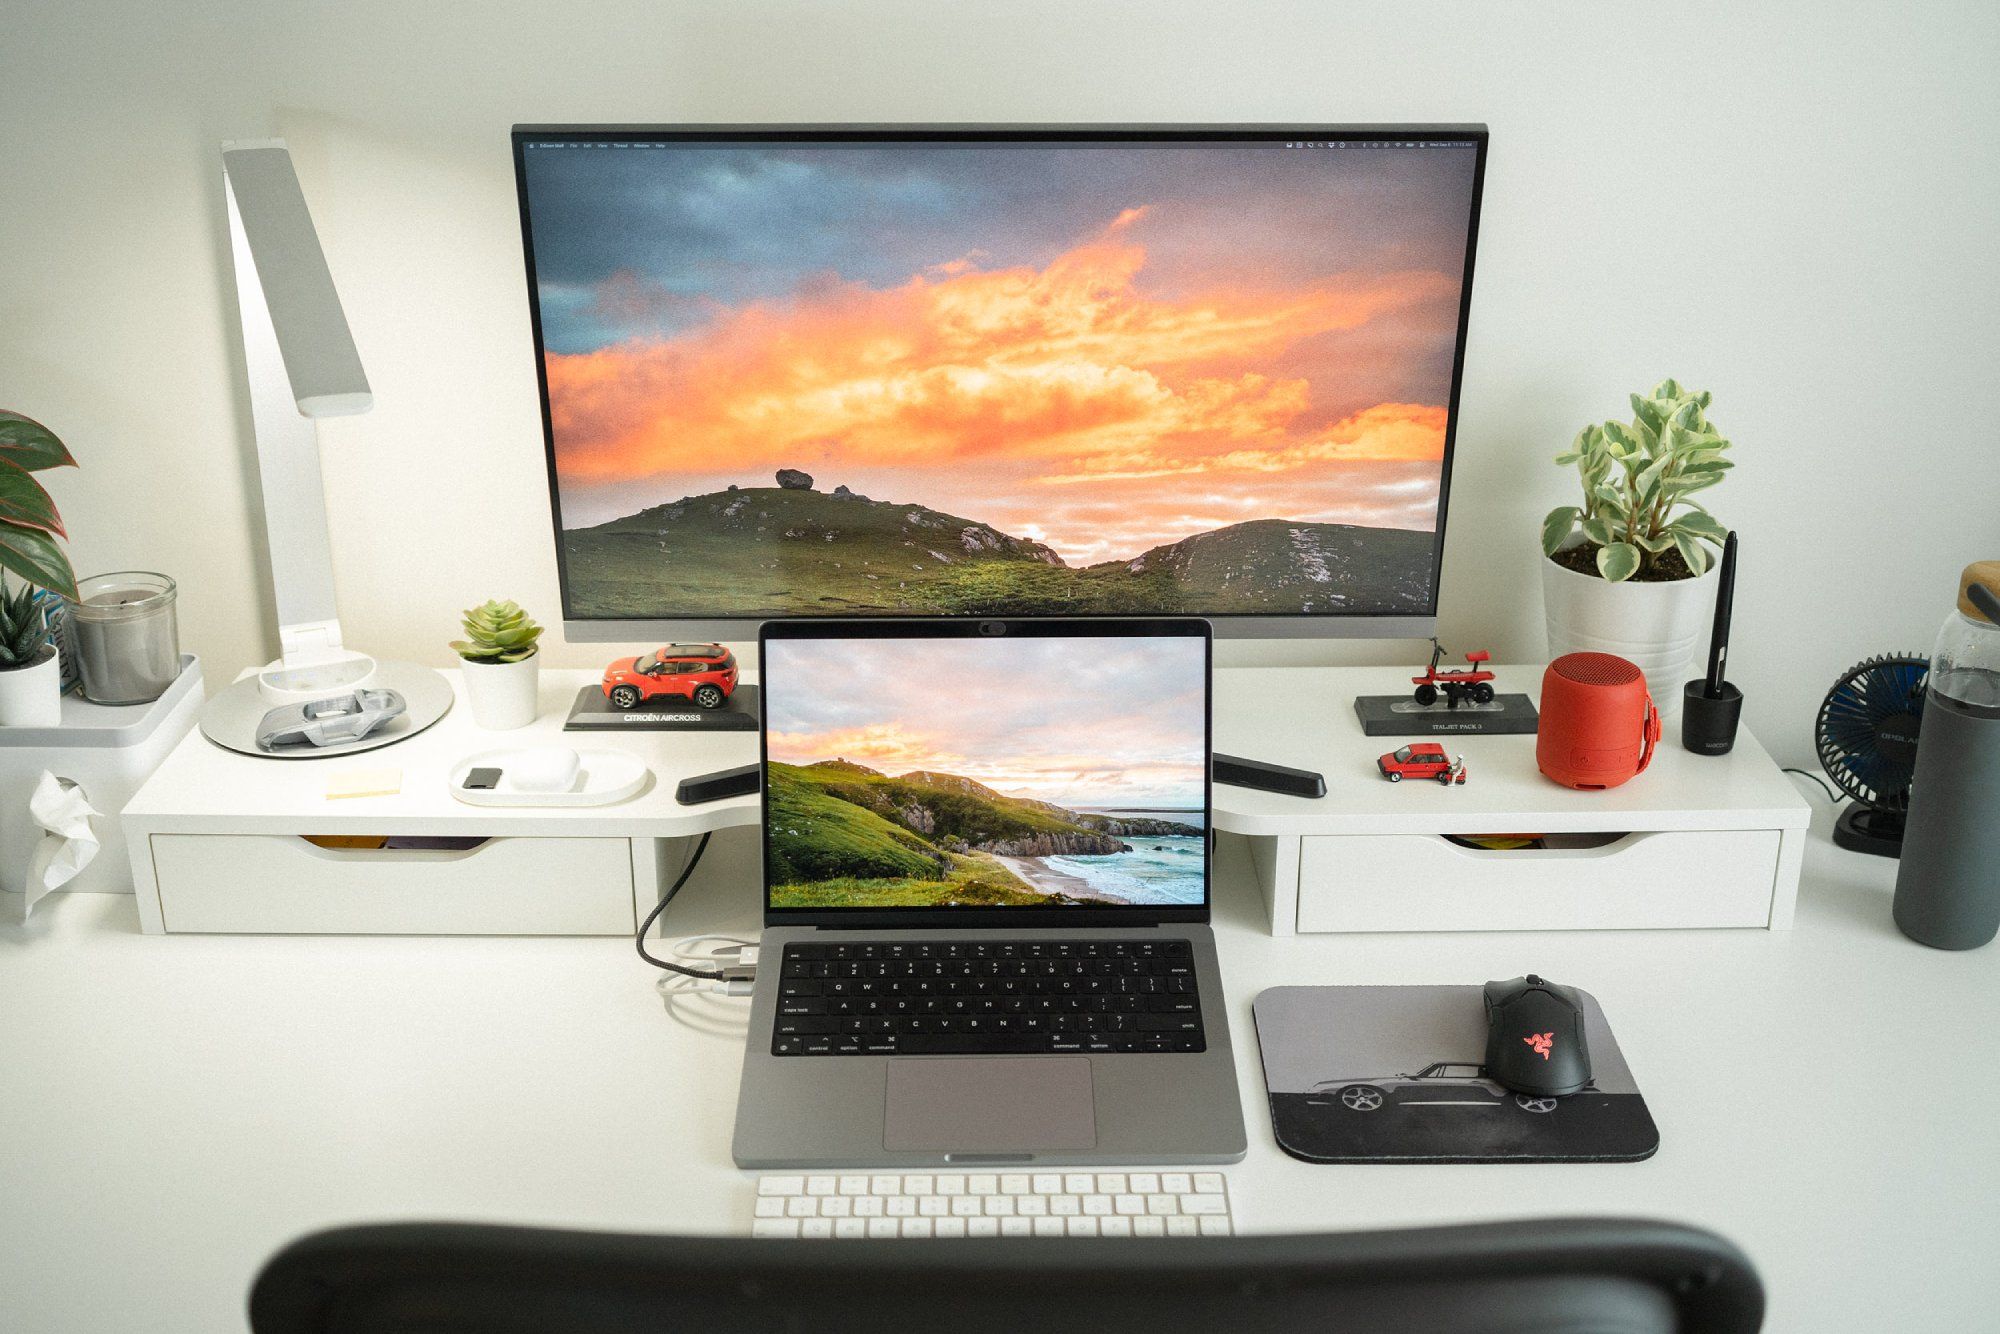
pixel 986 772
pixel 998 377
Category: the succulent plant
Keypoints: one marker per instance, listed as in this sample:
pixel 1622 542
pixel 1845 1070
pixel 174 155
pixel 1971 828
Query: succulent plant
pixel 24 630
pixel 497 632
pixel 1634 476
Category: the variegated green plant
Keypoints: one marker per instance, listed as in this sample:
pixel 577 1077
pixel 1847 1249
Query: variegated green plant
pixel 1637 477
pixel 497 632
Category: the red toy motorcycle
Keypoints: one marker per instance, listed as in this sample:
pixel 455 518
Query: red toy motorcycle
pixel 1456 686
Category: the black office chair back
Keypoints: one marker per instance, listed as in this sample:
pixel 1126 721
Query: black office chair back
pixel 1557 1276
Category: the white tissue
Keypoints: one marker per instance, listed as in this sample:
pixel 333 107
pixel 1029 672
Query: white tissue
pixel 69 843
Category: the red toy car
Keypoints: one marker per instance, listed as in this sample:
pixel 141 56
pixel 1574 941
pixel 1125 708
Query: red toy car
pixel 1456 686
pixel 704 674
pixel 1424 759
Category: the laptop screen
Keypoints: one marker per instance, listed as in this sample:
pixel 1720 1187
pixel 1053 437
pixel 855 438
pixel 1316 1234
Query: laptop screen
pixel 940 770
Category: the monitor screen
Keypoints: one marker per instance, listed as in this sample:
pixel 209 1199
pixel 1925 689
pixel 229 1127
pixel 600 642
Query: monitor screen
pixel 1135 372
pixel 1034 771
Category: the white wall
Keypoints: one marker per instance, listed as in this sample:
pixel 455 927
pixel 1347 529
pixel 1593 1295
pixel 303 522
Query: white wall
pixel 1789 204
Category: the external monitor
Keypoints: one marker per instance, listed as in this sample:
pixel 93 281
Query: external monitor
pixel 980 371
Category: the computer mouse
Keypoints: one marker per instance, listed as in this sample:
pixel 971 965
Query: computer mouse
pixel 1534 1037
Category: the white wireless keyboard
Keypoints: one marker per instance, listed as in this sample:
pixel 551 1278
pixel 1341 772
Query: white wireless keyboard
pixel 993 1204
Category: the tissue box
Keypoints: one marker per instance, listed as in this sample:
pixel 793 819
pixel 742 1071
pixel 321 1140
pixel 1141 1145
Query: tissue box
pixel 109 751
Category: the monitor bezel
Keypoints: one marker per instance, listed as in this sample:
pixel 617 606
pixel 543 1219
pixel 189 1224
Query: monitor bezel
pixel 1228 625
pixel 971 627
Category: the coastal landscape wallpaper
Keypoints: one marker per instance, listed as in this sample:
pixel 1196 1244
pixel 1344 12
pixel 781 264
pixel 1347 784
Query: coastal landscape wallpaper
pixel 992 378
pixel 986 773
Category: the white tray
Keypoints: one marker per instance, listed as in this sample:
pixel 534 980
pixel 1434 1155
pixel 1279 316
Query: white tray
pixel 603 777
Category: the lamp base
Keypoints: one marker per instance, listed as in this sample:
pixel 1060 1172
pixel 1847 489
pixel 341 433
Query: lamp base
pixel 232 717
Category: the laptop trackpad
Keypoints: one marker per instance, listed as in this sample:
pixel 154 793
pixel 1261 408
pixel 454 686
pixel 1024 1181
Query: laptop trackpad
pixel 990 1104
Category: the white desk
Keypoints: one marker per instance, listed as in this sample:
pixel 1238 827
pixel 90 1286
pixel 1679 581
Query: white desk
pixel 177 1108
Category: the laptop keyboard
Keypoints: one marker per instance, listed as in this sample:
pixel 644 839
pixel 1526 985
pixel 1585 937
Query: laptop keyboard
pixel 962 998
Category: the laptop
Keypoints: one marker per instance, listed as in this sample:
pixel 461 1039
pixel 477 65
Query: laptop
pixel 987 873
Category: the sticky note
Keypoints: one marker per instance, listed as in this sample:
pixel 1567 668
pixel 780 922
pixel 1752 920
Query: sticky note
pixel 363 783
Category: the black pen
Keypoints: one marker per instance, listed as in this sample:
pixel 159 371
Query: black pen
pixel 1725 595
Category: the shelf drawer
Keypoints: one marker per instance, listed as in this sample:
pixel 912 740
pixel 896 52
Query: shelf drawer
pixel 1423 882
pixel 276 884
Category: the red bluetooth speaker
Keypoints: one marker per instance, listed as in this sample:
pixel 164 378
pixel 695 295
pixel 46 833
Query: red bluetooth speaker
pixel 1598 724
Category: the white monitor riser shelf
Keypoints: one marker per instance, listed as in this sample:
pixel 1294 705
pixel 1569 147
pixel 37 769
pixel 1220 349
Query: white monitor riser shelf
pixel 1704 842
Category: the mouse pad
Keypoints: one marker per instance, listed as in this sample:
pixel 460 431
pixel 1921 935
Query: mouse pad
pixel 1395 1075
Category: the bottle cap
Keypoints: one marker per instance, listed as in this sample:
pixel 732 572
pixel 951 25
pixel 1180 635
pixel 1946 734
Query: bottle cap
pixel 1985 572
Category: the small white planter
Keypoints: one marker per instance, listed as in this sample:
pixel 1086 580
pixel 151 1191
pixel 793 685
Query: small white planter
pixel 1657 626
pixel 32 696
pixel 502 694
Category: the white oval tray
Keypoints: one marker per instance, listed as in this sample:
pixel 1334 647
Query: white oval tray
pixel 603 777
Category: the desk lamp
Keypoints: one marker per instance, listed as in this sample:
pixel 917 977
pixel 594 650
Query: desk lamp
pixel 302 366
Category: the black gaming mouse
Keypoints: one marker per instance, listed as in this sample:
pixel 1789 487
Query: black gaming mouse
pixel 1534 1037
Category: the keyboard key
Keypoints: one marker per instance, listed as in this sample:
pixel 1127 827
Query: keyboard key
pixel 1163 1204
pixel 849 1228
pixel 1129 1204
pixel 820 1186
pixel 1182 1226
pixel 1208 1183
pixel 1021 1227
pixel 1117 1227
pixel 801 1206
pixel 1213 1226
pixel 1111 1183
pixel 982 1185
pixel 1065 1206
pixel 882 1227
pixel 965 1206
pixel 816 1229
pixel 770 1207
pixel 1079 1183
pixel 1204 1204
pixel 854 1185
pixel 901 1206
pixel 1044 1227
pixel 1045 1183
pixel 1146 1183
pixel 869 1206
pixel 988 1227
pixel 933 1206
pixel 835 1206
pixel 999 1206
pixel 1149 1227
pixel 1014 1183
pixel 954 1227
pixel 775 1227
pixel 1176 1183
pixel 917 1227
pixel 1080 1227
pixel 951 1185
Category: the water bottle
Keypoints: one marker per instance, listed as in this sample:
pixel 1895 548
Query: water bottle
pixel 1948 883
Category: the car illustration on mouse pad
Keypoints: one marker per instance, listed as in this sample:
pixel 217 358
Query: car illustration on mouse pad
pixel 1440 1084
pixel 701 674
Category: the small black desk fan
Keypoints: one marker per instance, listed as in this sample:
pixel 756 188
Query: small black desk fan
pixel 1867 738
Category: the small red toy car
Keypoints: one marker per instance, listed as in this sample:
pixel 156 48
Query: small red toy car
pixel 1423 759
pixel 704 674
pixel 1456 686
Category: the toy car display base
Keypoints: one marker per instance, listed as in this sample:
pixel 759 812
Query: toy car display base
pixel 1394 1075
pixel 594 713
pixel 1399 715
pixel 231 719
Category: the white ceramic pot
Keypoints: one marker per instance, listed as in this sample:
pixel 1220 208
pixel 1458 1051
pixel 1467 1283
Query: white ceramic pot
pixel 31 696
pixel 502 693
pixel 1658 626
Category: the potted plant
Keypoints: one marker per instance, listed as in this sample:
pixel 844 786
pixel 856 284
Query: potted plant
pixel 500 668
pixel 1629 571
pixel 30 677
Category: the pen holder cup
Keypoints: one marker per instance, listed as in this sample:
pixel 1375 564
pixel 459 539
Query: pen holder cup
pixel 1708 723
